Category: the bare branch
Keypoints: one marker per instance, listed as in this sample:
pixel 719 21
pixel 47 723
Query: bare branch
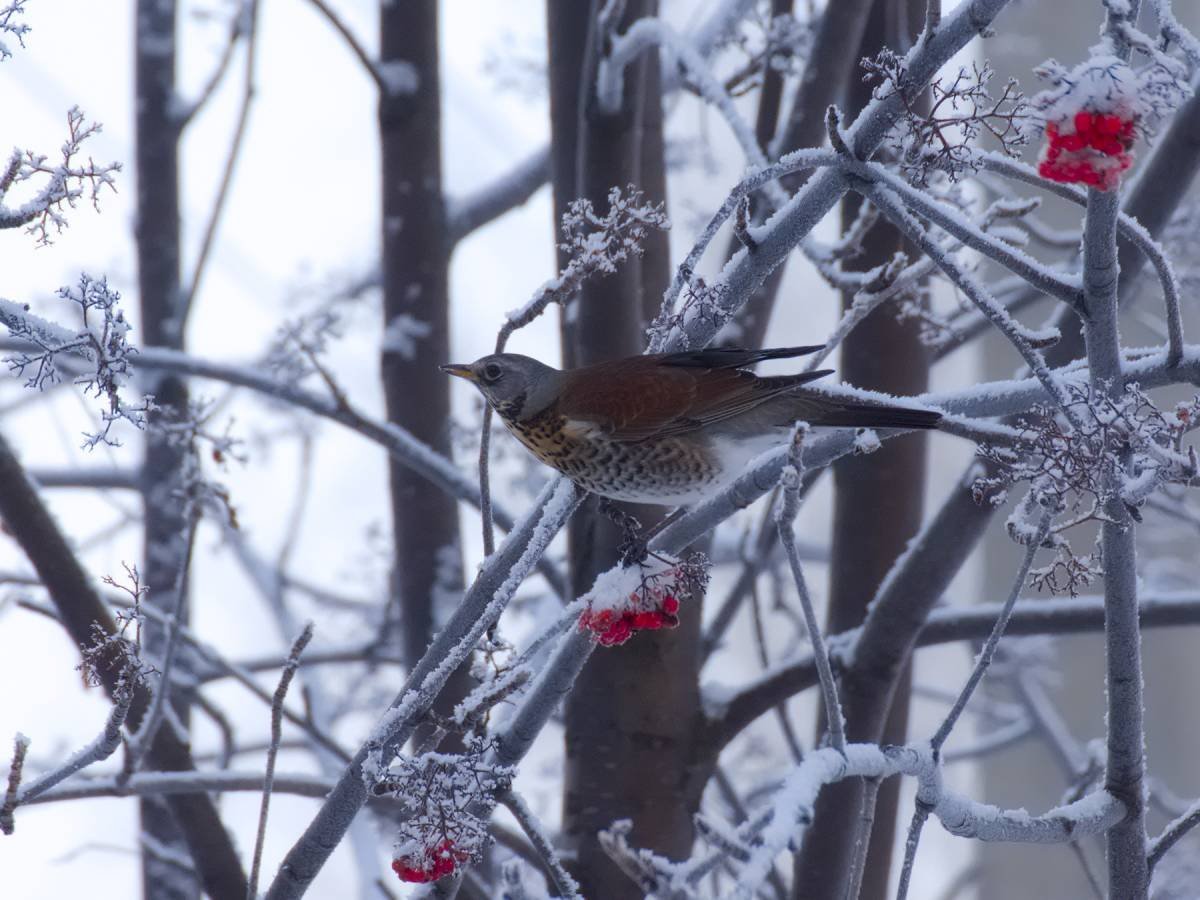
pixel 285 680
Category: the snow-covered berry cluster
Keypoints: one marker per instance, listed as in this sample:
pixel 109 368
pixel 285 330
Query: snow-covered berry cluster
pixel 430 863
pixel 613 627
pixel 441 796
pixel 1095 112
pixel 641 597
pixel 1092 148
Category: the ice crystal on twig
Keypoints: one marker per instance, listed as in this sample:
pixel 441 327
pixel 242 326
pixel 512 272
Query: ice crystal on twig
pixel 443 797
pixel 942 137
pixel 64 183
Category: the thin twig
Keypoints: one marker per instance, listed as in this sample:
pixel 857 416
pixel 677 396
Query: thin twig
pixel 285 680
pixel 1172 834
pixel 567 887
pixel 235 149
pixel 139 742
pixel 236 30
pixel 911 841
pixel 100 749
pixel 20 748
pixel 786 513
pixel 993 640
pixel 353 43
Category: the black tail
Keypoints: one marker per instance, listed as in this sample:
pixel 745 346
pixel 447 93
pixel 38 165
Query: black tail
pixel 732 357
pixel 862 415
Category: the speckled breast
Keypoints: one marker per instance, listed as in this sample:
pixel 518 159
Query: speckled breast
pixel 666 470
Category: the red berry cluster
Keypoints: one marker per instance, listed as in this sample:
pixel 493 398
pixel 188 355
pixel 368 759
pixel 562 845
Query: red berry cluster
pixel 430 865
pixel 614 627
pixel 1094 153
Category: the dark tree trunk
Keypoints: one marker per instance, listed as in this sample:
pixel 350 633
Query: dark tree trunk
pixel 632 717
pixel 827 72
pixel 161 325
pixel 877 510
pixel 427 561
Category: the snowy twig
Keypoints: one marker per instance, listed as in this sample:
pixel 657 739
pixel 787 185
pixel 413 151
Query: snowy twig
pixel 139 742
pixel 993 640
pixel 959 227
pixel 1172 834
pixel 785 514
pixel 1128 228
pixel 104 746
pixel 65 183
pixel 285 680
pixel 889 204
pixel 498 579
pixel 923 804
pixel 959 815
pixel 651 32
pixel 15 770
pixel 566 886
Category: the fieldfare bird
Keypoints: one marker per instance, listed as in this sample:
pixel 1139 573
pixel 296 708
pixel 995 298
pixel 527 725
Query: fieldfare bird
pixel 667 429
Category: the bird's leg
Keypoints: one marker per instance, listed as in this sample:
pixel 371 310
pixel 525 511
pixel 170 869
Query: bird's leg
pixel 633 547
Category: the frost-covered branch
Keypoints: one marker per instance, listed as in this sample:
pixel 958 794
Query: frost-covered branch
pixel 924 803
pixel 495 585
pixel 285 680
pixel 1127 227
pixel 566 886
pixel 790 812
pixel 648 33
pixel 959 227
pixel 65 182
pixel 100 749
pixel 18 30
pixel 1128 871
pixel 789 505
pixel 102 341
pixel 793 223
pixel 890 204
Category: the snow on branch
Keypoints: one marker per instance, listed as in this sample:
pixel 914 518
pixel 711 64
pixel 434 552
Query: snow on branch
pixel 1072 461
pixel 64 183
pixel 102 342
pixel 1127 227
pixel 942 138
pixel 783 822
pixel 18 30
pixel 793 223
pixel 650 32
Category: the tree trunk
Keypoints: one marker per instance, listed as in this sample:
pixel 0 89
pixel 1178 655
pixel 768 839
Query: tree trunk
pixel 161 325
pixel 633 714
pixel 427 569
pixel 877 509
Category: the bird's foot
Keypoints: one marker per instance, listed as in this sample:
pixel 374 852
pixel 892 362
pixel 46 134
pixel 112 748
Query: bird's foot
pixel 633 548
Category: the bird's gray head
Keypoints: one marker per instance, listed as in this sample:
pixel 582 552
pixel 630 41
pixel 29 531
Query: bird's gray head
pixel 516 386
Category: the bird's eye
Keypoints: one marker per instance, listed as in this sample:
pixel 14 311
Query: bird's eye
pixel 492 372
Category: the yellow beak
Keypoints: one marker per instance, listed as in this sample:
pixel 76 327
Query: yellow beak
pixel 459 370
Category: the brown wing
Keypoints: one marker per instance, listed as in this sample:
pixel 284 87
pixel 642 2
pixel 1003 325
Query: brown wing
pixel 634 399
